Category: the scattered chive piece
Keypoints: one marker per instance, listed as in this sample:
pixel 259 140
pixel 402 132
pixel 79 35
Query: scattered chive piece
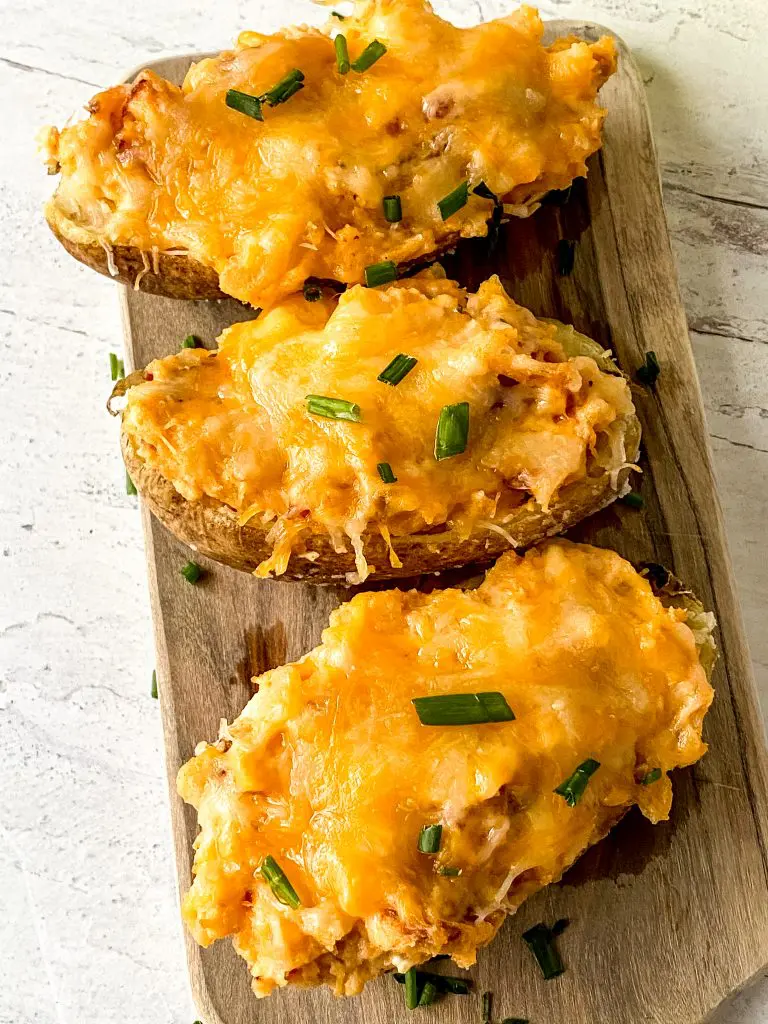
pixel 566 254
pixel 341 17
pixel 650 777
pixel 130 487
pixel 393 209
pixel 442 982
pixel 245 104
pixel 449 872
pixel 634 499
pixel 463 709
pixel 539 939
pixel 559 927
pixel 191 572
pixel 191 342
pixel 279 884
pixel 487 1001
pixel 452 431
pixel 484 192
pixel 411 989
pixel 333 408
pixel 369 56
pixel 313 287
pixel 380 273
pixel 397 369
pixel 342 54
pixel 649 372
pixel 113 366
pixel 454 201
pixel 312 291
pixel 429 994
pixel 429 838
pixel 285 88
pixel 385 472
pixel 572 789
pixel 153 691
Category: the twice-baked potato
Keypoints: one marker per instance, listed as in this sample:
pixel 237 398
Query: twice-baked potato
pixel 400 430
pixel 299 156
pixel 341 838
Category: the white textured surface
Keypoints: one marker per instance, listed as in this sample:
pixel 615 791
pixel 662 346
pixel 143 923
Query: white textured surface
pixel 89 931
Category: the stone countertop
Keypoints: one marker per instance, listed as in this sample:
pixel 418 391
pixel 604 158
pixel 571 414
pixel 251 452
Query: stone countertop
pixel 90 931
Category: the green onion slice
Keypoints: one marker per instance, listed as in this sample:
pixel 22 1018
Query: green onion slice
pixel 397 369
pixel 191 342
pixel 650 777
pixel 429 994
pixel 633 499
pixel 285 88
pixel 380 273
pixel 373 52
pixel 153 691
pixel 341 17
pixel 385 472
pixel 114 364
pixel 442 982
pixel 130 486
pixel 191 572
pixel 245 104
pixel 334 408
pixel 540 942
pixel 449 872
pixel 342 54
pixel 429 838
pixel 572 789
pixel 279 884
pixel 566 254
pixel 452 431
pixel 411 989
pixel 393 209
pixel 484 192
pixel 649 372
pixel 487 1001
pixel 312 290
pixel 454 201
pixel 463 709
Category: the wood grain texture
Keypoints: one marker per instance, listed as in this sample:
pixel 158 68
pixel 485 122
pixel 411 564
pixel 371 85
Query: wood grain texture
pixel 666 920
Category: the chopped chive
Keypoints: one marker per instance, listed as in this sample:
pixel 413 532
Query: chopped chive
pixel 312 290
pixel 385 472
pixel 572 789
pixel 559 927
pixel 380 273
pixel 393 209
pixel 449 872
pixel 333 408
pixel 484 192
pixel 245 104
pixel 454 201
pixel 191 572
pixel 411 989
pixel 373 52
pixel 565 255
pixel 540 942
pixel 633 499
pixel 153 691
pixel 397 369
pixel 285 88
pixel 114 364
pixel 279 884
pixel 341 17
pixel 487 1002
pixel 442 982
pixel 429 838
pixel 342 54
pixel 650 777
pixel 313 287
pixel 463 709
pixel 649 372
pixel 452 431
pixel 130 487
pixel 429 994
pixel 191 342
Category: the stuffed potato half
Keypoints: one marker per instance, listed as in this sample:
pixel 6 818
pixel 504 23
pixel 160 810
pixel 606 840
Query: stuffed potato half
pixel 400 430
pixel 283 160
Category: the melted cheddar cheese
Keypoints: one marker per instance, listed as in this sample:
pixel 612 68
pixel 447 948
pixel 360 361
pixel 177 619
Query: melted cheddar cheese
pixel 269 204
pixel 234 425
pixel 329 770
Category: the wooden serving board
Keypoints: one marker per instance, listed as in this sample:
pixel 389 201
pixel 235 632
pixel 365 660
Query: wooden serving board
pixel 665 921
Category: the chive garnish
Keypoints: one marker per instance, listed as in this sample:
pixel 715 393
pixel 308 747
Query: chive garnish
pixel 397 369
pixel 191 572
pixel 312 291
pixel 429 838
pixel 449 872
pixel 245 104
pixel 452 431
pixel 342 54
pixel 313 287
pixel 333 408
pixel 373 52
pixel 114 364
pixel 442 982
pixel 411 989
pixel 380 273
pixel 285 88
pixel 541 944
pixel 565 254
pixel 279 884
pixel 633 499
pixel 484 192
pixel 393 209
pixel 385 472
pixel 454 201
pixel 572 789
pixel 494 221
pixel 649 372
pixel 650 777
pixel 153 691
pixel 191 342
pixel 463 709
pixel 487 1001
pixel 130 487
pixel 428 994
pixel 341 17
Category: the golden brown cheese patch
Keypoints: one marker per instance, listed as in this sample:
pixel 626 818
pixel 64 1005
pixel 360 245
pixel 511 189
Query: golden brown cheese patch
pixel 329 770
pixel 235 425
pixel 270 204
